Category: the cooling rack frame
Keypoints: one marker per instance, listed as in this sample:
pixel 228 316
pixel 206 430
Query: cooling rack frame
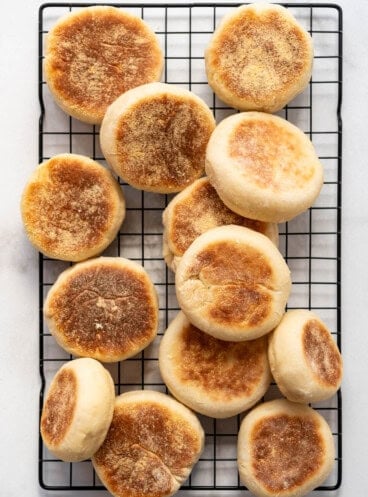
pixel 141 234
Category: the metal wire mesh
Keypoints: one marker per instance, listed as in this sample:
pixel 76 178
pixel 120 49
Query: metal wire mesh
pixel 310 243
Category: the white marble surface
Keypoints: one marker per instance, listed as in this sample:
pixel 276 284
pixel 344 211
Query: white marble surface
pixel 19 379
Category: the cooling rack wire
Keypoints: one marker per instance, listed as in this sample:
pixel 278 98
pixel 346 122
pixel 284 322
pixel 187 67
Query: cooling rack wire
pixel 310 243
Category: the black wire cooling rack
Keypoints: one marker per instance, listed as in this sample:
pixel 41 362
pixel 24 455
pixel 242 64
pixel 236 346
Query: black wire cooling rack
pixel 310 243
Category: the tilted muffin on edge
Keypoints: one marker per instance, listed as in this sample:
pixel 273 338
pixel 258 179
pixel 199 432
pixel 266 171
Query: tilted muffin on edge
pixel 304 358
pixel 78 410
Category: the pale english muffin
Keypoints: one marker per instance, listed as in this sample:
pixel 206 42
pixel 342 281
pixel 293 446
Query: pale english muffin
pixel 284 449
pixel 155 137
pixel 259 58
pixel 78 410
pixel 304 358
pixel 72 207
pixel 233 283
pixel 105 308
pixel 194 211
pixel 211 376
pixel 95 54
pixel 150 449
pixel 263 167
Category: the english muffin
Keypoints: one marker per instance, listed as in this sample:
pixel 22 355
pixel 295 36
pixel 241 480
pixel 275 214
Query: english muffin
pixel 105 308
pixel 78 410
pixel 284 449
pixel 155 137
pixel 194 211
pixel 304 358
pixel 151 446
pixel 263 167
pixel 233 283
pixel 95 54
pixel 259 58
pixel 211 376
pixel 72 207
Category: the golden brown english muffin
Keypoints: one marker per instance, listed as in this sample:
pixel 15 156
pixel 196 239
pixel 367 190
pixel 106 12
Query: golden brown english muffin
pixel 284 449
pixel 304 358
pixel 263 167
pixel 78 410
pixel 233 283
pixel 194 211
pixel 155 137
pixel 211 376
pixel 95 54
pixel 72 207
pixel 259 58
pixel 105 308
pixel 150 449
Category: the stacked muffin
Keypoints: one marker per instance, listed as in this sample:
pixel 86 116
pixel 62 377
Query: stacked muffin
pixel 219 354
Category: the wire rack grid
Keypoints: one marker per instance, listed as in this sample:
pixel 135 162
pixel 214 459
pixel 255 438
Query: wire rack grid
pixel 310 243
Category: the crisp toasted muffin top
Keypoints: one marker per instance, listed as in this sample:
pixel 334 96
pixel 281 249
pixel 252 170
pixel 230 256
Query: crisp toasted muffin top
pixel 96 54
